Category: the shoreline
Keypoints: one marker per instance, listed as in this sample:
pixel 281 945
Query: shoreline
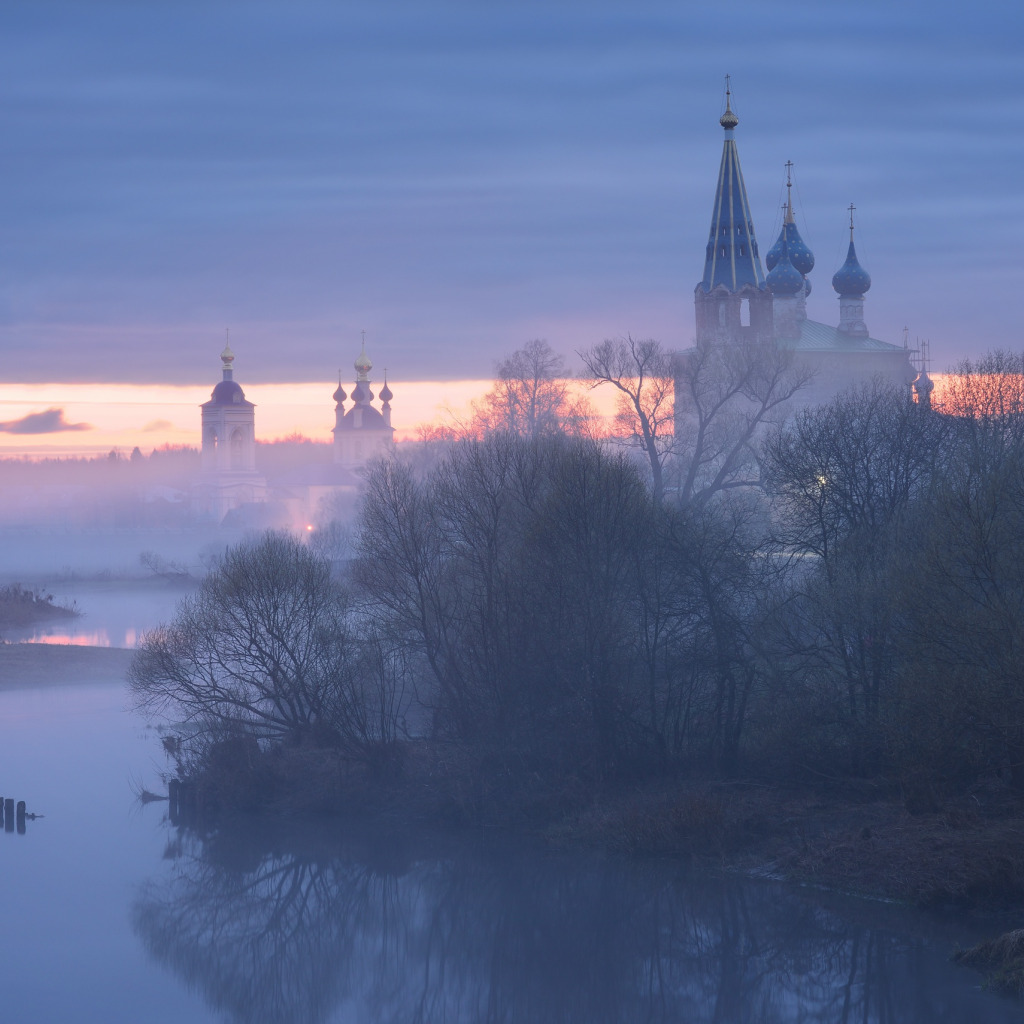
pixel 46 666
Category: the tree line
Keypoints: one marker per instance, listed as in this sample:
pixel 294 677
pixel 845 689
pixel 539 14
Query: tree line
pixel 838 594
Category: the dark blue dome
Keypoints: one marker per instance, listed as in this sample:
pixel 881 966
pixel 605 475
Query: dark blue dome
pixel 227 392
pixel 799 254
pixel 784 278
pixel 851 278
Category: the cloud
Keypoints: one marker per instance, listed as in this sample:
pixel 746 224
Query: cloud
pixel 49 422
pixel 157 426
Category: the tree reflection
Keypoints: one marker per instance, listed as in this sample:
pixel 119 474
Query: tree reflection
pixel 362 929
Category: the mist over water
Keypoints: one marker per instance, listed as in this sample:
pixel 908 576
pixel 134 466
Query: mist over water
pixel 340 922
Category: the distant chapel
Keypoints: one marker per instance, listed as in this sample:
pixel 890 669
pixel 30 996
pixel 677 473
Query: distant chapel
pixel 230 483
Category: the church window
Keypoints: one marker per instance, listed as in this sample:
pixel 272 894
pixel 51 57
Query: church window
pixel 721 315
pixel 236 449
pixel 744 312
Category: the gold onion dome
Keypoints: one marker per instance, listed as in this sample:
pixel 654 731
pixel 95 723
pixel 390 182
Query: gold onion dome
pixel 728 120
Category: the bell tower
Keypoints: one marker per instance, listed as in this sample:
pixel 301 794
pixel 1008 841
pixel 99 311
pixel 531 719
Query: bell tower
pixel 732 301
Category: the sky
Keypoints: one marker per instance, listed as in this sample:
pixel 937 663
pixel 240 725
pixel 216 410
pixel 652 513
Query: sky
pixel 456 178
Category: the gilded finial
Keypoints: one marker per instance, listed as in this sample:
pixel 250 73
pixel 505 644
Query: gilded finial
pixel 728 120
pixel 363 364
pixel 227 356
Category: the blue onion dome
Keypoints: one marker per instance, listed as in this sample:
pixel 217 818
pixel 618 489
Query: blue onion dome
pixel 227 392
pixel 851 278
pixel 775 252
pixel 784 278
pixel 385 393
pixel 339 393
pixel 799 254
pixel 807 287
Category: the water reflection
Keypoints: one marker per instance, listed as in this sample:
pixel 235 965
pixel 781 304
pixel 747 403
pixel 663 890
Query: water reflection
pixel 384 929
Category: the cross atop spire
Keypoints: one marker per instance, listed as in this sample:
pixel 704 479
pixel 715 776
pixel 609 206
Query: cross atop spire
pixel 851 208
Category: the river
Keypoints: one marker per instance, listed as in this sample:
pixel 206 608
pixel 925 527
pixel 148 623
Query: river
pixel 109 913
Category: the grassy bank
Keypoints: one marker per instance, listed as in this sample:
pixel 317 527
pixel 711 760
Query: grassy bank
pixel 968 852
pixel 26 606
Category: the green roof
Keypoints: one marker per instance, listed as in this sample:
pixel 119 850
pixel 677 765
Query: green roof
pixel 815 337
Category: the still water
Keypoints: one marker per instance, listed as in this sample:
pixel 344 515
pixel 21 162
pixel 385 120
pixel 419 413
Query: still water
pixel 109 913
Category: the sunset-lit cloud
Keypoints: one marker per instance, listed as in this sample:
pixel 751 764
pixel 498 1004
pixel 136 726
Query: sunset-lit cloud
pixel 51 421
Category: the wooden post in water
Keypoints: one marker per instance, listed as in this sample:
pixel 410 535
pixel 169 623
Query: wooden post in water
pixel 8 815
pixel 174 800
pixel 21 817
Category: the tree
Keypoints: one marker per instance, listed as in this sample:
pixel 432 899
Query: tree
pixel 697 416
pixel 267 648
pixel 531 397
pixel 846 480
pixel 725 397
pixel 641 371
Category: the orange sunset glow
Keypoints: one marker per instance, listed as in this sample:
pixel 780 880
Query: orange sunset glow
pixel 100 417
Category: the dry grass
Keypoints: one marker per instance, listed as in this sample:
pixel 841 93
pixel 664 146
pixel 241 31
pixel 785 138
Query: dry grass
pixel 1001 960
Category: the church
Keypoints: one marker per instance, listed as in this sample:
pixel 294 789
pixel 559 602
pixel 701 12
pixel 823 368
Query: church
pixel 736 302
pixel 231 489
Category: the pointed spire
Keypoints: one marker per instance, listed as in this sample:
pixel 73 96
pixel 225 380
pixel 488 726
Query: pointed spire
pixel 731 258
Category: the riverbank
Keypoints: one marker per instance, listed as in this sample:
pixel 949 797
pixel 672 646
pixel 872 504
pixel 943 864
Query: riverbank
pixel 22 606
pixel 47 665
pixel 965 850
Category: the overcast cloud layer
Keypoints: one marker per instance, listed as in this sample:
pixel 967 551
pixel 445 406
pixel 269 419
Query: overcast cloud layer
pixel 456 178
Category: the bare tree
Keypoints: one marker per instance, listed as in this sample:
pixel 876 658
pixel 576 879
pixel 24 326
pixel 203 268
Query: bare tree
pixel 725 396
pixel 532 397
pixel 641 371
pixel 267 648
pixel 699 415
